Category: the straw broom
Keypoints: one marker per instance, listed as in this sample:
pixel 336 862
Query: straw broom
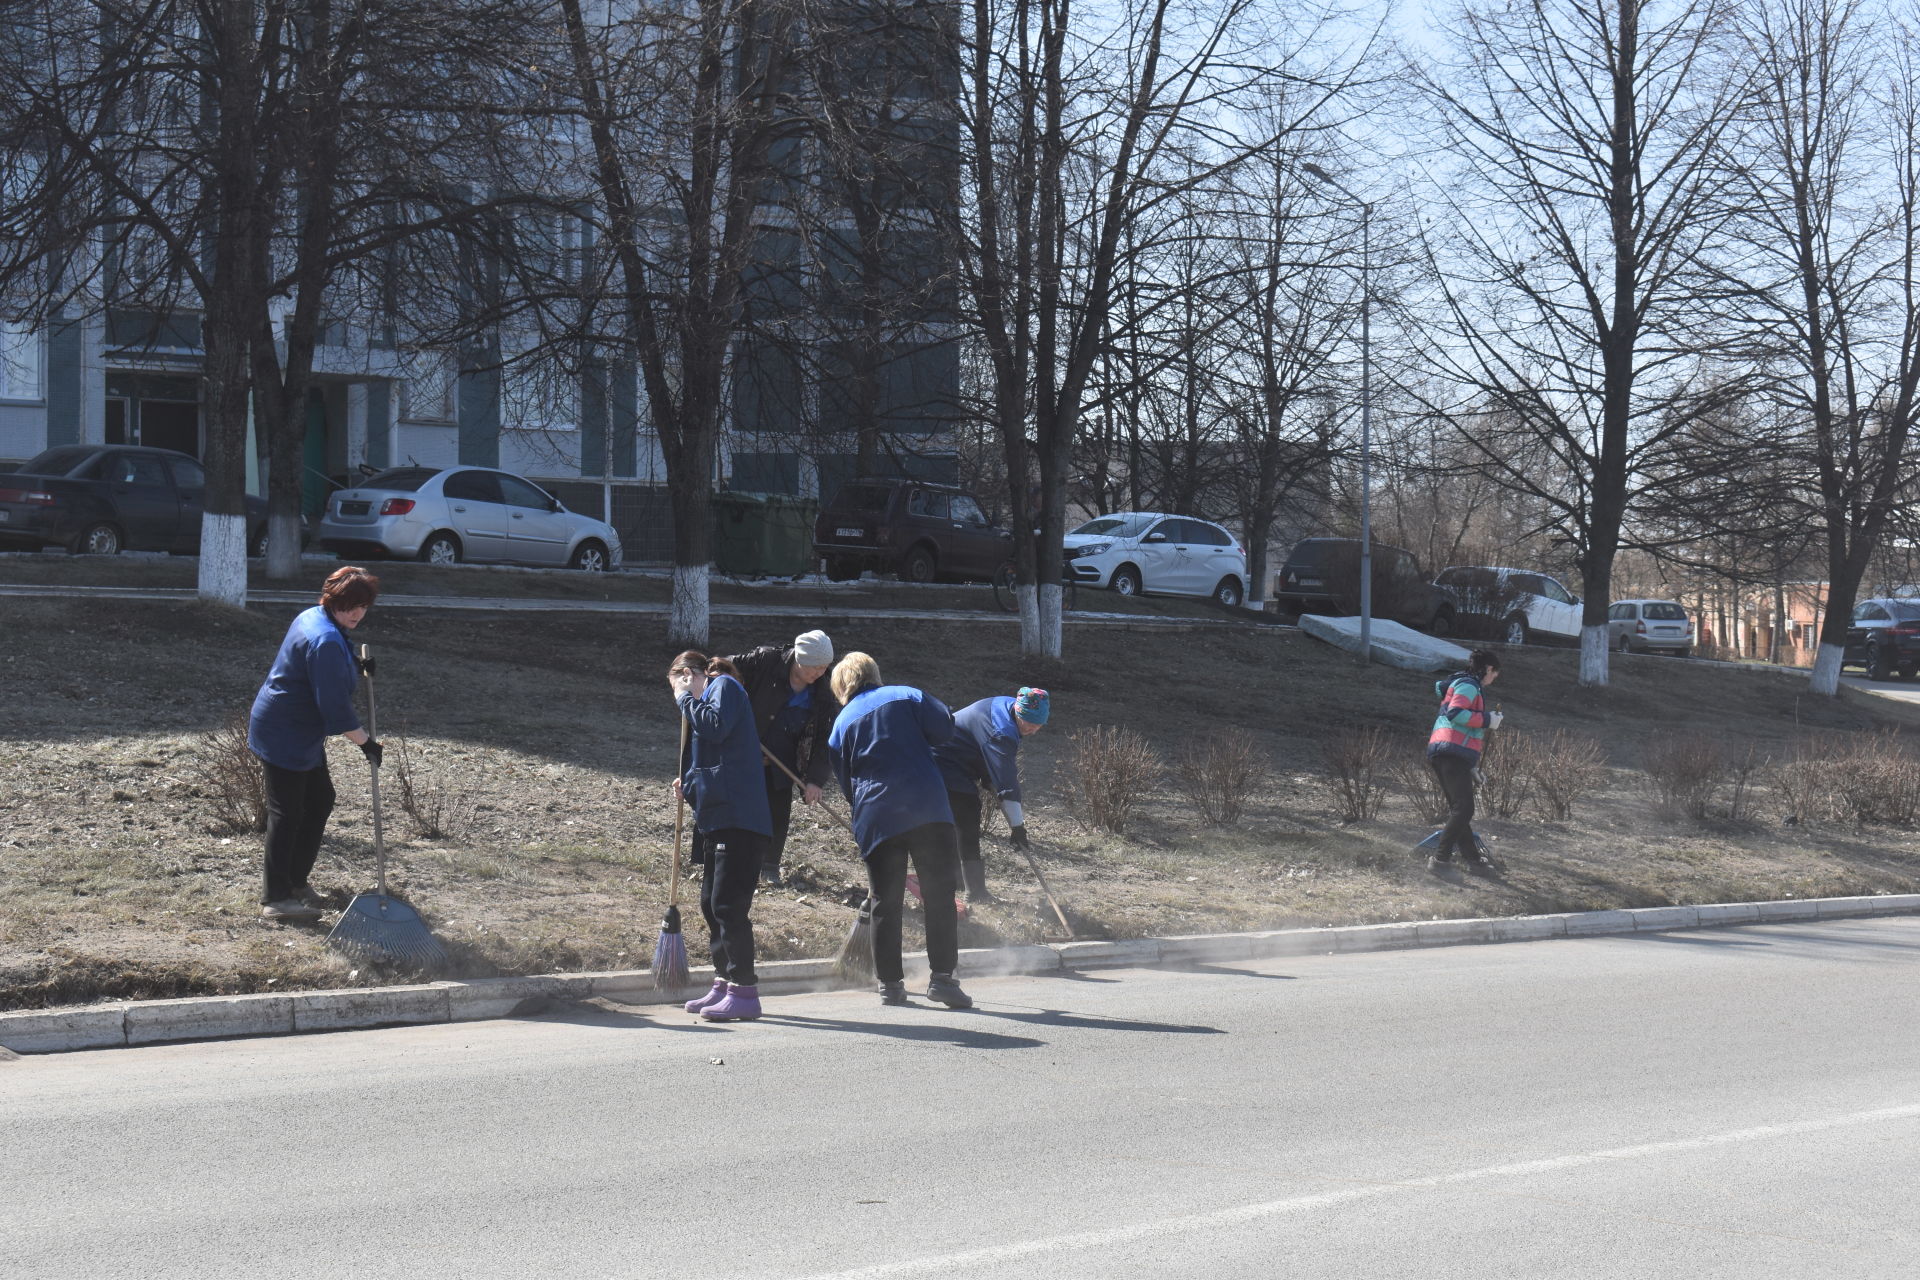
pixel 854 963
pixel 670 953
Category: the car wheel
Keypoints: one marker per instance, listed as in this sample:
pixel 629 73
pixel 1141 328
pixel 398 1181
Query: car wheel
pixel 1442 624
pixel 1228 594
pixel 1624 645
pixel 1126 581
pixel 590 556
pixel 257 547
pixel 1877 666
pixel 919 566
pixel 839 570
pixel 97 540
pixel 1683 653
pixel 441 548
pixel 1516 630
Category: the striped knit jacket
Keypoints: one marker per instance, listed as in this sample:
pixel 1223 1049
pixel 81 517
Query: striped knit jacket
pixel 1461 727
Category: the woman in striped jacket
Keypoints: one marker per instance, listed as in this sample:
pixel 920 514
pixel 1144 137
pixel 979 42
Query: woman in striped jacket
pixel 1453 752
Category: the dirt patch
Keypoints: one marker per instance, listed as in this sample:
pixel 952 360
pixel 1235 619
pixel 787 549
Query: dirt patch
pixel 550 738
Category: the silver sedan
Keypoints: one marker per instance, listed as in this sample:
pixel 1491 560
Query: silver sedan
pixel 464 513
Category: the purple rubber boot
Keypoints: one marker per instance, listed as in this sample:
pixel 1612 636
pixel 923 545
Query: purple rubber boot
pixel 741 1004
pixel 715 995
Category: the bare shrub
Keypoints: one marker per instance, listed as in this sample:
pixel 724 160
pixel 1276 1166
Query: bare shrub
pixel 1506 772
pixel 227 775
pixel 1879 782
pixel 1219 773
pixel 1684 769
pixel 1110 768
pixel 438 810
pixel 1804 783
pixel 1358 761
pixel 1742 768
pixel 1565 767
pixel 1418 783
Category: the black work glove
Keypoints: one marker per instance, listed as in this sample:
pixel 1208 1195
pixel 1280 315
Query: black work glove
pixel 366 665
pixel 1018 836
pixel 373 751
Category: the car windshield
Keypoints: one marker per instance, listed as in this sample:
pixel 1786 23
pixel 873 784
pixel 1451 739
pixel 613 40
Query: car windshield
pixel 870 498
pixel 1127 526
pixel 1904 610
pixel 57 462
pixel 405 479
pixel 1661 611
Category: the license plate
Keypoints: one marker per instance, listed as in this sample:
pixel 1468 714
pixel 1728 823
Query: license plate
pixel 847 533
pixel 1311 582
pixel 355 508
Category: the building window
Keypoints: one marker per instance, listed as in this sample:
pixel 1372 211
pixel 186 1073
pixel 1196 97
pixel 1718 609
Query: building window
pixel 21 366
pixel 427 393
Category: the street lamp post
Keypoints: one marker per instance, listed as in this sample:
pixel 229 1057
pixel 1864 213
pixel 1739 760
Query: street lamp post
pixel 1366 406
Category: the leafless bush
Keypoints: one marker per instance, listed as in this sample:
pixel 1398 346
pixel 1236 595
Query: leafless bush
pixel 1110 768
pixel 227 775
pixel 1804 783
pixel 1506 769
pixel 1861 779
pixel 1684 769
pixel 1418 783
pixel 1742 768
pixel 438 810
pixel 1358 760
pixel 1565 767
pixel 1219 773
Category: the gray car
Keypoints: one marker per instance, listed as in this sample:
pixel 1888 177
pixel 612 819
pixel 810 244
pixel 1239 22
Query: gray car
pixel 444 516
pixel 1641 626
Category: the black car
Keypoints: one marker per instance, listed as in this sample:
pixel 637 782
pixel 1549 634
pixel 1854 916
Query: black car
pixel 921 531
pixel 103 499
pixel 1322 575
pixel 1884 637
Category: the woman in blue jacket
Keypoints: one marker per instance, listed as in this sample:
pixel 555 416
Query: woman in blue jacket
pixel 307 698
pixel 985 752
pixel 882 748
pixel 723 780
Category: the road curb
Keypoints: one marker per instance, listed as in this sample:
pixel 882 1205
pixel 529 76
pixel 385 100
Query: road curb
pixel 143 1022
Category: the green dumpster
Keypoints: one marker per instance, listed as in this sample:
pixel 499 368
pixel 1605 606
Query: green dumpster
pixel 763 535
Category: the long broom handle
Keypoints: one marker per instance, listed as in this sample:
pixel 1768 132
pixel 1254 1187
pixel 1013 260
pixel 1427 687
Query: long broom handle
pixel 777 763
pixel 679 811
pixel 1043 889
pixel 379 835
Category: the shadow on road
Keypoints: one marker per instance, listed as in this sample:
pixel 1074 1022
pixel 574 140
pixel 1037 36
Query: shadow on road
pixel 922 1033
pixel 1092 1022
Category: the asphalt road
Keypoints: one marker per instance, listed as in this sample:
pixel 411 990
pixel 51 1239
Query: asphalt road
pixel 1731 1103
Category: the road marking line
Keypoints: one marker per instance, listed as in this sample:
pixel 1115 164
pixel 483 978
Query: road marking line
pixel 1239 1215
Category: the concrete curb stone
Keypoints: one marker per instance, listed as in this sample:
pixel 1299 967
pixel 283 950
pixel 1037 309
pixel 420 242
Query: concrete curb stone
pixel 221 1017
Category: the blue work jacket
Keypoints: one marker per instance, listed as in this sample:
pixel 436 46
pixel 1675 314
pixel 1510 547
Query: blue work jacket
pixel 984 749
pixel 723 779
pixel 308 695
pixel 882 747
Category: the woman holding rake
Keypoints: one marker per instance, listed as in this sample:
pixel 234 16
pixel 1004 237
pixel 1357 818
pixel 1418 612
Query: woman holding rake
pixel 721 778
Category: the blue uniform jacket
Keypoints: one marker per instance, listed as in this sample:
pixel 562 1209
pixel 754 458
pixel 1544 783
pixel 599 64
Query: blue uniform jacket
pixel 724 780
pixel 882 747
pixel 308 695
pixel 984 749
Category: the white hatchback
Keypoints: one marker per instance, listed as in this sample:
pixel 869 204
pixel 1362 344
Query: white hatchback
pixel 1136 552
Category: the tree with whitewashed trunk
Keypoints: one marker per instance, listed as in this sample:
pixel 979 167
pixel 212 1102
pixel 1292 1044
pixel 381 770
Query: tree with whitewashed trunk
pixel 1581 308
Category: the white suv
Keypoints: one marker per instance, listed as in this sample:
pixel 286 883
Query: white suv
pixel 1528 605
pixel 1136 552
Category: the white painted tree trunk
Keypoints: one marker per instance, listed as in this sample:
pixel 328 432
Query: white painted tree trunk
pixel 1027 596
pixel 1593 655
pixel 1826 670
pixel 223 559
pixel 1048 631
pixel 283 545
pixel 688 622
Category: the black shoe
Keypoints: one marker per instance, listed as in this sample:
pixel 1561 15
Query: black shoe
pixel 893 993
pixel 1481 867
pixel 1442 867
pixel 943 989
pixel 975 897
pixel 772 876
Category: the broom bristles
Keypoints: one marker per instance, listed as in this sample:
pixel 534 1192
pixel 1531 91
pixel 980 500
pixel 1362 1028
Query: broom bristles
pixel 670 954
pixel 855 961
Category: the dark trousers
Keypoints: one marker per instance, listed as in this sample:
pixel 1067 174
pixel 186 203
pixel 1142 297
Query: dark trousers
pixel 726 897
pixel 932 851
pixel 298 803
pixel 780 805
pixel 1456 783
pixel 966 826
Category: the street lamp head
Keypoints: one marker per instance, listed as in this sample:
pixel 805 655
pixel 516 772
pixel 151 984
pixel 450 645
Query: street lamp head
pixel 1315 171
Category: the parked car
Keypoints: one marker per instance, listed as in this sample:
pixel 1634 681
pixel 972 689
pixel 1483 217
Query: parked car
pixel 1636 626
pixel 1322 575
pixel 1884 637
pixel 103 499
pixel 1523 605
pixel 444 516
pixel 1140 552
pixel 921 531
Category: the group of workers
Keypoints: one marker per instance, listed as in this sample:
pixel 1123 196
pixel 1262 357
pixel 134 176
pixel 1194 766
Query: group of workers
pixel 759 726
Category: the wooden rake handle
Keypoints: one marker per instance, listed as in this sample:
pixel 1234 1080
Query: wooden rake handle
pixel 679 812
pixel 831 813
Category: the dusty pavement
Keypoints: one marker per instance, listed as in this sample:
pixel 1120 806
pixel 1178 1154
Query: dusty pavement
pixel 1723 1103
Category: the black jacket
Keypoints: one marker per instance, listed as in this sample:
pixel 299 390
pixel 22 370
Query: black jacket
pixel 764 673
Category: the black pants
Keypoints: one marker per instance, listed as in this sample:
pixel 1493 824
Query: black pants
pixel 726 897
pixel 1456 783
pixel 966 825
pixel 780 805
pixel 933 852
pixel 298 803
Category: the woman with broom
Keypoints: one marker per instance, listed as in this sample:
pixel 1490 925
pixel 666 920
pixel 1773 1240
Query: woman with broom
pixel 882 747
pixel 307 698
pixel 985 752
pixel 721 778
